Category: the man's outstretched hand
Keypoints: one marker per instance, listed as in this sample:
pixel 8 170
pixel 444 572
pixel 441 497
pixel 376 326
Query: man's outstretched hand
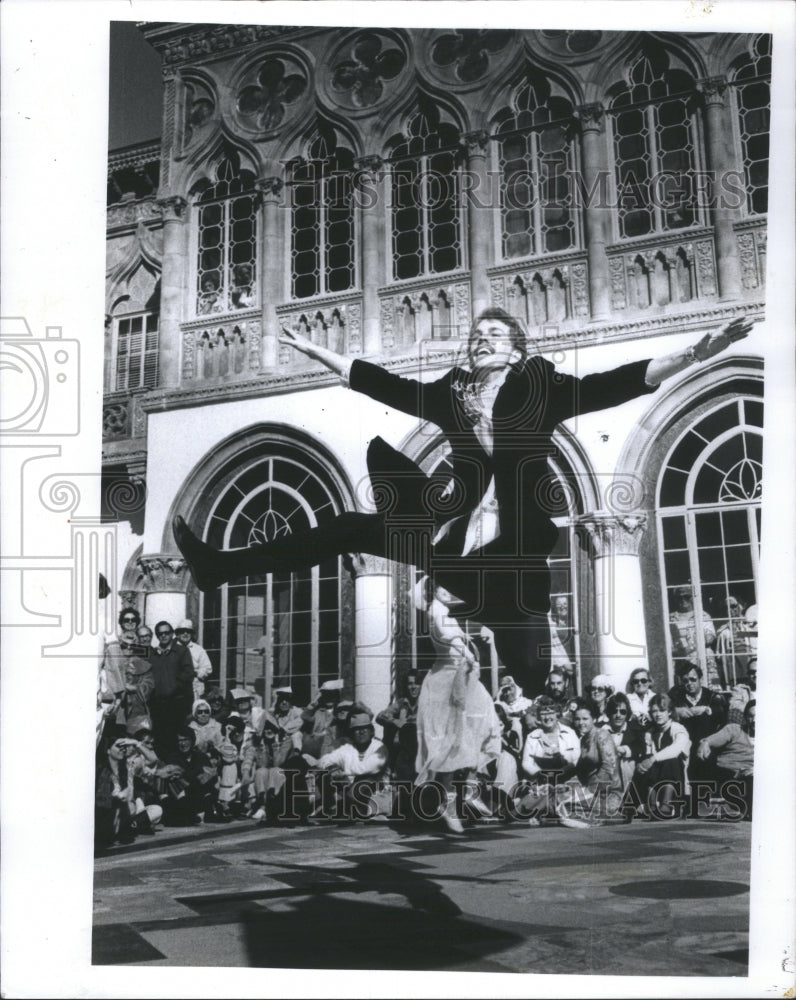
pixel 295 340
pixel 713 343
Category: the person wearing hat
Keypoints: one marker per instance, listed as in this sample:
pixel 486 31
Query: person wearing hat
pixel 202 667
pixel 208 731
pixel 598 691
pixel 264 763
pixel 319 715
pixel 355 768
pixel 288 717
pixel 252 715
pixel 684 630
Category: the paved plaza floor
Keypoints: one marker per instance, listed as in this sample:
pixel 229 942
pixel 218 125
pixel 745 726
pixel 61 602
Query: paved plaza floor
pixel 649 898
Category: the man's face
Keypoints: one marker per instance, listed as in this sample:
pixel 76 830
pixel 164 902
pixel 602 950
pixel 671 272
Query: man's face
pixel 244 707
pixel 684 600
pixel 751 670
pixel 283 706
pixel 165 635
pixel 547 719
pixel 750 720
pixel 360 736
pixel 412 686
pixel 490 346
pixel 183 636
pixel 145 636
pixel 184 744
pixel 555 685
pixel 691 682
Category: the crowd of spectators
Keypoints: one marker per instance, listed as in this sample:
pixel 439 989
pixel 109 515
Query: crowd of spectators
pixel 173 748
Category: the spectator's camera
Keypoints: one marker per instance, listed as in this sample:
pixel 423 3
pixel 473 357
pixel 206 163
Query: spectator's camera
pixel 41 381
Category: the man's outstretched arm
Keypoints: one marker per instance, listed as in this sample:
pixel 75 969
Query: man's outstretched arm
pixel 659 369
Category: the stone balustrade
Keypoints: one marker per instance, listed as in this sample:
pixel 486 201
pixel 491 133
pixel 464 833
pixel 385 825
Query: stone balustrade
pixel 222 349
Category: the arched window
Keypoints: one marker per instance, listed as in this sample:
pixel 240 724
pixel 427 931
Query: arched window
pixel 226 224
pixel 322 243
pixel 281 628
pixel 708 509
pixel 536 157
pixel 753 100
pixel 656 147
pixel 426 219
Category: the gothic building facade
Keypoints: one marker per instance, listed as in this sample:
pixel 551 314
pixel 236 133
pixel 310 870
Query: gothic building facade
pixel 375 189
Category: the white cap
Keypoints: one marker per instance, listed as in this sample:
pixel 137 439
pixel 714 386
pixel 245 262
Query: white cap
pixel 336 685
pixel 185 625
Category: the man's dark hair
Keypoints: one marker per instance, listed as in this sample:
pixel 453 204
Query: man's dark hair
pixel 686 668
pixel 517 331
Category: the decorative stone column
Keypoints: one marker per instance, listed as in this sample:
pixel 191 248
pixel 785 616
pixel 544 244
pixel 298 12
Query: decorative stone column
pixel 479 216
pixel 370 198
pixel 721 161
pixel 373 629
pixel 272 254
pixel 613 541
pixel 171 289
pixel 164 581
pixel 595 213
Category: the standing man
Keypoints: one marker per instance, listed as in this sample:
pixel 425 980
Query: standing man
pixel 491 525
pixel 172 698
pixel 202 667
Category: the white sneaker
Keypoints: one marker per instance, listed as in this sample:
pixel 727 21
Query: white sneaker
pixel 260 814
pixel 449 817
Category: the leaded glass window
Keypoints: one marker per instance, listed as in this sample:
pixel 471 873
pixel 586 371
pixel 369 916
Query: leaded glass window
pixel 536 159
pixel 656 151
pixel 322 246
pixel 709 512
pixel 426 221
pixel 280 628
pixel 753 98
pixel 226 223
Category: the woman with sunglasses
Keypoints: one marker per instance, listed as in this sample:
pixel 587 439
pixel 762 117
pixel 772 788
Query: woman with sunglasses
pixel 598 692
pixel 639 695
pixel 209 735
pixel 627 734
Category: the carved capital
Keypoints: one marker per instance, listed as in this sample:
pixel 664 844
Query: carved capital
pixel 713 89
pixel 173 208
pixel 129 599
pixel 163 572
pixel 270 187
pixel 612 534
pixel 591 117
pixel 475 142
pixel 369 169
pixel 363 564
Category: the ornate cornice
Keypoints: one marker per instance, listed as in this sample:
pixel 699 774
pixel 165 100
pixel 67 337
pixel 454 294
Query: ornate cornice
pixel 139 155
pixel 431 357
pixel 183 43
pixel 127 214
